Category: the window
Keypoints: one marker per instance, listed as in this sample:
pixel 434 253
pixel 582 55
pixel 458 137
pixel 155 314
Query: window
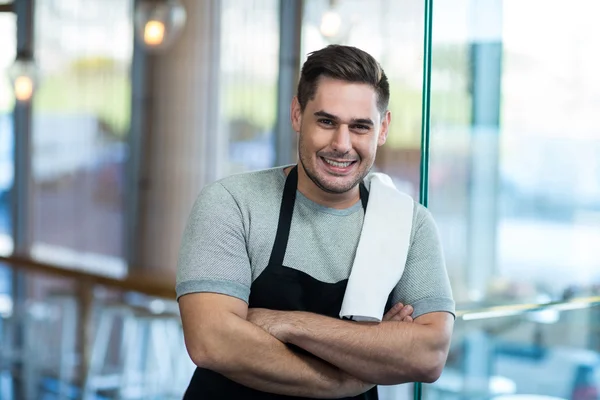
pixel 80 123
pixel 248 82
pixel 7 57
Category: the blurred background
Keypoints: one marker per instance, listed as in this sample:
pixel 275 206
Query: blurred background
pixel 115 113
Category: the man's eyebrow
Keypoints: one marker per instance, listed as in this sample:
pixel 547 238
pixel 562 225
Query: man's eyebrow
pixel 324 114
pixel 364 121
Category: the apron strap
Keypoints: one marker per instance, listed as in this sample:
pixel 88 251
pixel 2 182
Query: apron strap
pixel 285 218
pixel 364 196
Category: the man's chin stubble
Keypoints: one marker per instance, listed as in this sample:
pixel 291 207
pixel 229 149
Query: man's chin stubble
pixel 317 182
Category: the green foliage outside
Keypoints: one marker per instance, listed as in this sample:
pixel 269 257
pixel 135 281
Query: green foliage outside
pixel 253 103
pixel 92 85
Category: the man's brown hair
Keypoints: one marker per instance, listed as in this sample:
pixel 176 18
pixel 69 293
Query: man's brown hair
pixel 344 63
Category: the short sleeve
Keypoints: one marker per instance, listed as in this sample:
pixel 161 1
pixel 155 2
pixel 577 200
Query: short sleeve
pixel 424 283
pixel 213 256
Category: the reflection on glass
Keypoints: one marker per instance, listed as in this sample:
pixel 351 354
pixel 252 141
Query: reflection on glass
pixel 80 123
pixel 7 100
pixel 544 353
pixel 248 82
pixel 392 32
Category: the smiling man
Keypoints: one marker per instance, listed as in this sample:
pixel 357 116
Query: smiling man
pixel 266 257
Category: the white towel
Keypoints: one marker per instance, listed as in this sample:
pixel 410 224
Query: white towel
pixel 381 252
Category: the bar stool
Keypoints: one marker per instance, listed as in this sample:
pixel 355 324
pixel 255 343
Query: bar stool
pixel 46 348
pixel 54 321
pixel 8 353
pixel 137 353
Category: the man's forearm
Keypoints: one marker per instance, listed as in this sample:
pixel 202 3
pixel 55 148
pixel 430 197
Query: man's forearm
pixel 250 356
pixel 386 353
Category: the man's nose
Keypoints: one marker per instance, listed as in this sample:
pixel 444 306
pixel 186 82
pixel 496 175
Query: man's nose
pixel 341 141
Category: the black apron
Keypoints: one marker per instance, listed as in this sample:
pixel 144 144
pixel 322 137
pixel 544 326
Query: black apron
pixel 279 288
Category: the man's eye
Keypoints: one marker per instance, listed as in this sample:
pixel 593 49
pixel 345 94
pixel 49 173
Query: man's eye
pixel 362 127
pixel 325 121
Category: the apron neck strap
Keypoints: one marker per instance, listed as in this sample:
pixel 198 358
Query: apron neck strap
pixel 285 218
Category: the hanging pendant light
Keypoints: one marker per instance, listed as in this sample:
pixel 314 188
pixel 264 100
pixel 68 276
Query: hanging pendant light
pixel 330 24
pixel 23 75
pixel 331 21
pixel 158 23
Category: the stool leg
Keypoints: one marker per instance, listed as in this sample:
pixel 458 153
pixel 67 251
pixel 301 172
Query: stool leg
pixel 30 357
pixel 67 346
pixel 7 357
pixel 181 366
pixel 164 367
pixel 129 380
pixel 178 358
pixel 98 353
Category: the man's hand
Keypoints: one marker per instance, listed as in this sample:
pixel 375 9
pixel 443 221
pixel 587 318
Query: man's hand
pixel 399 312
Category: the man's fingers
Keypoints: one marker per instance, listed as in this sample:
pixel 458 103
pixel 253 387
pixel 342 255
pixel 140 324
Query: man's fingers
pixel 399 312
pixel 393 312
pixel 398 317
pixel 406 312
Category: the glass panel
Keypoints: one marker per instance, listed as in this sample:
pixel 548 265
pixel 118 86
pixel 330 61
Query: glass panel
pixel 515 159
pixel 248 82
pixel 80 123
pixel 515 189
pixel 8 46
pixel 392 32
pixel 544 353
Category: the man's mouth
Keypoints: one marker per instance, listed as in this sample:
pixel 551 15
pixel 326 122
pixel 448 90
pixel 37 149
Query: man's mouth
pixel 337 164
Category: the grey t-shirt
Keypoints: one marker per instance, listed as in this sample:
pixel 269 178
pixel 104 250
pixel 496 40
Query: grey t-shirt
pixel 230 233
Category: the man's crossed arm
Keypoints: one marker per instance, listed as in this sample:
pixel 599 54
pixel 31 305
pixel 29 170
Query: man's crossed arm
pixel 388 353
pixel 222 335
pixel 219 337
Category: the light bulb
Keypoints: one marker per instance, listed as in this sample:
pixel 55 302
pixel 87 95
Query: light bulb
pixel 159 23
pixel 330 24
pixel 23 87
pixel 24 77
pixel 154 33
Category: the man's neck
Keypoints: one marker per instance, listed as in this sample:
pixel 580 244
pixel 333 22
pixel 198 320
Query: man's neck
pixel 314 193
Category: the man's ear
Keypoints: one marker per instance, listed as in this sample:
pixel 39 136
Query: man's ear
pixel 385 126
pixel 296 114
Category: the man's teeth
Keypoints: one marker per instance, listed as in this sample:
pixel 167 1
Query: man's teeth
pixel 338 164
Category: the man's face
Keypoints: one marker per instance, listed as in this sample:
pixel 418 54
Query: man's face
pixel 339 132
